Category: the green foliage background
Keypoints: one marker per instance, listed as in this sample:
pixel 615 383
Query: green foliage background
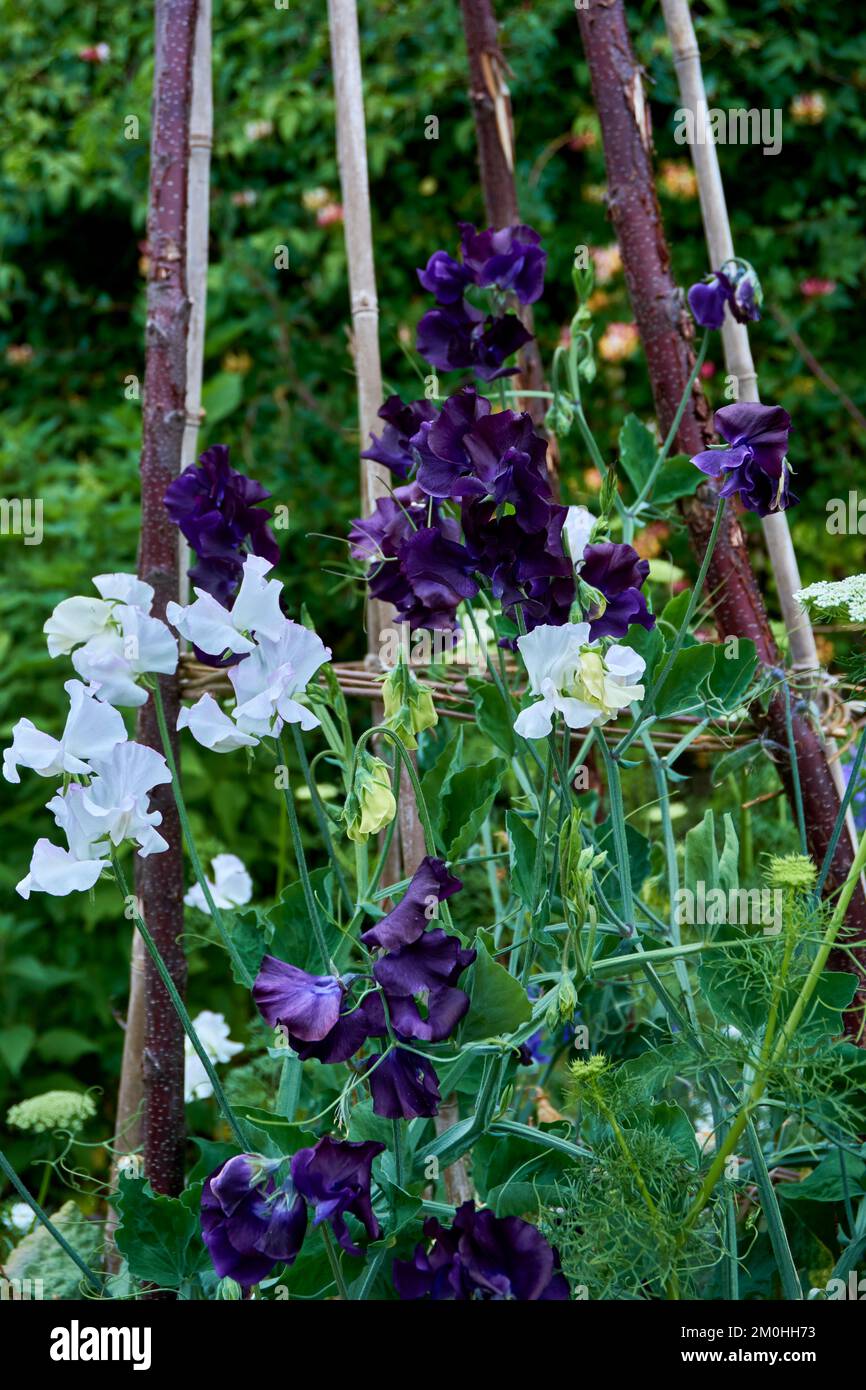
pixel 279 384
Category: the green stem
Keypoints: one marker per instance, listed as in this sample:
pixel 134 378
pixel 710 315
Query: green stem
pixel 93 1279
pixel 237 961
pixel 649 703
pixel 334 1262
pixel 303 872
pixel 321 818
pixel 795 770
pixel 675 424
pixel 179 1007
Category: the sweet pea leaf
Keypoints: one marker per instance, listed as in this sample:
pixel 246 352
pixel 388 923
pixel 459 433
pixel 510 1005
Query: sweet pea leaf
pixel 681 690
pixel 292 936
pixel 221 395
pixel 160 1235
pixel 521 856
pixel 732 672
pixel 435 782
pixel 637 451
pixel 498 1003
pixel 466 804
pixel 495 718
pixel 15 1046
pixel 677 478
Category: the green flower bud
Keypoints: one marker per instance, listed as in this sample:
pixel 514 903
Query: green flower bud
pixel 52 1110
pixel 409 707
pixel 370 805
pixel 795 871
pixel 229 1289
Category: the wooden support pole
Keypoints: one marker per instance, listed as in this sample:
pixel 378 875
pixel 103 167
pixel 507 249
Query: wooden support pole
pixel 160 877
pixel 494 132
pixel 666 333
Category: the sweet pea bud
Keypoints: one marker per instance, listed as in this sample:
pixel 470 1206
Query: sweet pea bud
pixel 563 1004
pixel 583 279
pixel 748 294
pixel 408 703
pixel 229 1289
pixel 560 417
pixel 590 600
pixel 608 495
pixel 370 805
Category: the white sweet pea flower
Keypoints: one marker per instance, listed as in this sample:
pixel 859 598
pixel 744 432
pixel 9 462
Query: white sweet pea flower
pixel 56 871
pixel 114 808
pixel 125 588
pixel 577 529
pixel 76 620
pixel 134 645
pixel 92 730
pixel 215 630
pixel 113 639
pixel 268 680
pixel 231 886
pixel 576 678
pixel 213 1032
pixel 211 727
pixel 19 1217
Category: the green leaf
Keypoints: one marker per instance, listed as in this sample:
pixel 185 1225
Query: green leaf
pixel 681 690
pixel 292 937
pixel 702 859
pixel 466 803
pixel 521 856
pixel 250 932
pixel 637 451
pixel 159 1235
pixel 435 782
pixel 221 395
pixel 498 1003
pixel 729 861
pixel 732 674
pixel 15 1046
pixel 647 643
pixel 64 1045
pixel 677 478
pixel 494 717
pixel 824 1183
pixel 675 1124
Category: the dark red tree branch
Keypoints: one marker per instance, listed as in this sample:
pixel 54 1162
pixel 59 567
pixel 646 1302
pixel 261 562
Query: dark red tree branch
pixel 666 333
pixel 159 878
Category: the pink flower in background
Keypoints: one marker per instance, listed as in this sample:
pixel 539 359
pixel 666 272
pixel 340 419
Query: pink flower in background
pixel 328 215
pixel 816 288
pixel 618 342
pixel 96 53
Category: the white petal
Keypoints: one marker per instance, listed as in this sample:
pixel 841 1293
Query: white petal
pixel 577 714
pixel 233 883
pixel 131 770
pixel 548 650
pixel 101 662
pixel 211 727
pixel 148 645
pixel 535 720
pixel 577 529
pixel 54 870
pixel 208 626
pixel 31 748
pixel 127 588
pixel 93 727
pixel 624 665
pixel 257 606
pixel 74 621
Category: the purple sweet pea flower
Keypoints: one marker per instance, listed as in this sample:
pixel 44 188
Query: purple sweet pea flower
pixel 334 1176
pixel 445 278
pixel 446 469
pixel 403 1085
pixel 736 285
pixel 430 885
pixel 510 259
pixel 308 1005
pixel 424 974
pixel 754 466
pixel 456 336
pixel 482 1256
pixel 707 301
pixel 423 570
pixel 215 508
pixel 618 572
pixel 313 1009
pixel 391 447
pixel 528 569
pixel 248 1225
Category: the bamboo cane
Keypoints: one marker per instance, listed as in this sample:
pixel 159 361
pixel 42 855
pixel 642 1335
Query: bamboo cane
pixel 735 336
pixel 738 607
pixel 159 877
pixel 494 132
pixel 355 192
